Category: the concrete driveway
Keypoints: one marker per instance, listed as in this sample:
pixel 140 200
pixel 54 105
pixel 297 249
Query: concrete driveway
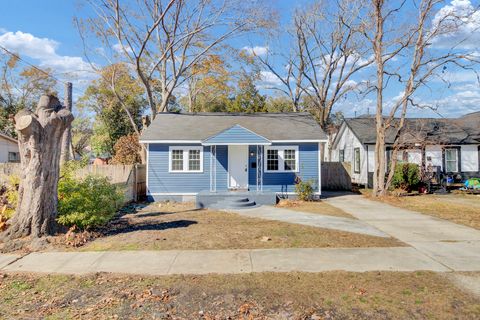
pixel 455 246
pixel 311 219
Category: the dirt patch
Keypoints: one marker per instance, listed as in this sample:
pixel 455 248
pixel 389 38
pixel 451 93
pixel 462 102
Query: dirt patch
pixel 328 295
pixel 461 209
pixel 320 207
pixel 467 281
pixel 168 226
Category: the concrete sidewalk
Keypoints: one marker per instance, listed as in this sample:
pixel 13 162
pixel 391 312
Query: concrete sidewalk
pixel 226 261
pixel 455 246
pixel 311 219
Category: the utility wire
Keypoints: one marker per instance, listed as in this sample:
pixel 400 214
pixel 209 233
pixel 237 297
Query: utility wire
pixel 31 65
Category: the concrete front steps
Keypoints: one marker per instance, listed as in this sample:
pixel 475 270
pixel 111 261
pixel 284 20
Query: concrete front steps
pixel 235 199
pixel 234 203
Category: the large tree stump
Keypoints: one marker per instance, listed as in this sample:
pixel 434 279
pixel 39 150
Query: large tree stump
pixel 39 138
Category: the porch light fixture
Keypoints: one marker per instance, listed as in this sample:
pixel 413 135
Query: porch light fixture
pixel 252 153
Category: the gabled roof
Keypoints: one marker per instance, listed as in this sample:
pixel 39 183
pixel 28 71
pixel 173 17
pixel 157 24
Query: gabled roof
pixel 236 135
pixel 201 126
pixel 463 130
pixel 7 137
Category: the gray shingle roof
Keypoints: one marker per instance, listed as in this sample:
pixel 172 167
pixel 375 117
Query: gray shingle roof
pixel 7 136
pixel 463 130
pixel 199 126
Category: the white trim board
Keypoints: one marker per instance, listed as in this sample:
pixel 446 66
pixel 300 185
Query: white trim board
pixel 171 141
pixel 281 159
pixel 319 168
pixel 299 141
pixel 185 158
pixel 172 194
pixel 236 144
pixel 146 167
pixel 207 144
pixel 294 193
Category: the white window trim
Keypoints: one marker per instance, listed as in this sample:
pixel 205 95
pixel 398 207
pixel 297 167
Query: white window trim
pixel 185 159
pixel 355 169
pixel 281 165
pixel 457 167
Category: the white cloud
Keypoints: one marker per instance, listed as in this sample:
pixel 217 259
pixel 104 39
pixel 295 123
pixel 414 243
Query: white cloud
pixel 459 76
pixel 119 49
pixel 257 50
pixel 3 30
pixel 460 23
pixel 267 77
pixel 44 50
pixel 353 107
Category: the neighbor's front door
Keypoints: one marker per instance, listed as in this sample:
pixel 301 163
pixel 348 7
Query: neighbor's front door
pixel 238 167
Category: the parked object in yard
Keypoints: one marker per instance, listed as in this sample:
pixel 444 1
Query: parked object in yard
pixel 473 183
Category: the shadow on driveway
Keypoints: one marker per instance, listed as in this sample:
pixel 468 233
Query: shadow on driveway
pixel 333 194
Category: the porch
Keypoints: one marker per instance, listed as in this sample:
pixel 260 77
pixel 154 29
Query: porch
pixel 244 160
pixel 235 199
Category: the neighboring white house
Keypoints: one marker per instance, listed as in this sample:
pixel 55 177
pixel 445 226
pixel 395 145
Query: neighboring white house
pixel 452 145
pixel 8 149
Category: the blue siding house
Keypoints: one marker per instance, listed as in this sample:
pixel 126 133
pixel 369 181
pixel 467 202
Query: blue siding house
pixel 220 154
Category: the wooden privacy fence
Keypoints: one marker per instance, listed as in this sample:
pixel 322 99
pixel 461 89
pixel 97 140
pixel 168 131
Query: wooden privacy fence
pixel 131 178
pixel 7 170
pixel 336 176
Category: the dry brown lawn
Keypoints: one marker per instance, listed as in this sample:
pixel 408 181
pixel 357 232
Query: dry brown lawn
pixel 180 226
pixel 327 295
pixel 461 209
pixel 320 207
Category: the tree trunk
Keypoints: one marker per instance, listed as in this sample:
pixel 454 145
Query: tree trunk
pixel 67 135
pixel 39 138
pixel 379 170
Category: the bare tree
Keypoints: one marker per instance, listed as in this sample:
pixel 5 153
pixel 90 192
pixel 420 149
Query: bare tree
pixel 415 43
pixel 163 39
pixel 328 49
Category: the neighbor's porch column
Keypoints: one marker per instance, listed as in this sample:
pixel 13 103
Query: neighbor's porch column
pixel 259 175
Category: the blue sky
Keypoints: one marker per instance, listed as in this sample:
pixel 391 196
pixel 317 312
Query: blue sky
pixel 43 33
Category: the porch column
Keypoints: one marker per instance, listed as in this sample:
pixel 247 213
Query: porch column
pixel 213 168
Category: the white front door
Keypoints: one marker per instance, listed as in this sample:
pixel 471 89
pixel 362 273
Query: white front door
pixel 238 167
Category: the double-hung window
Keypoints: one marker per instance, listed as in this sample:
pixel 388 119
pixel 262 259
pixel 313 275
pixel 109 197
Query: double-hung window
pixel 341 155
pixel 13 157
pixel 356 160
pixel 281 159
pixel 185 159
pixel 451 160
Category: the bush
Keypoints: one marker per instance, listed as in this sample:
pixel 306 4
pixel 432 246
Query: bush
pixel 9 197
pixel 304 189
pixel 127 150
pixel 87 203
pixel 406 176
